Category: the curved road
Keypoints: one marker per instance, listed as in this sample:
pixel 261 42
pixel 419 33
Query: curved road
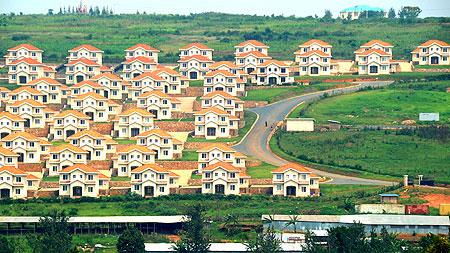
pixel 255 143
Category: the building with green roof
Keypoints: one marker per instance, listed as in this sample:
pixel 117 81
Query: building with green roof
pixel 355 11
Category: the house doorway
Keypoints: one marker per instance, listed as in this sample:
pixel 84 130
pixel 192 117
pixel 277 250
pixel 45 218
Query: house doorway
pixel 136 74
pixel 166 89
pixel 211 131
pixel 154 112
pixel 291 191
pixel 134 131
pixel 272 80
pixel 219 189
pixel 149 191
pixel 314 70
pixel 250 70
pixel 3 135
pixel 434 60
pixel 21 157
pixel 5 193
pixel 89 155
pixel 80 79
pixel 27 122
pixel 373 69
pixel 22 79
pixel 219 89
pixel 44 99
pixel 69 133
pixel 77 191
pixel 106 94
pixel 90 115
pixel 193 75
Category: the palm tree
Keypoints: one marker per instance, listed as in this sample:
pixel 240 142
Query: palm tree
pixel 293 219
pixel 231 222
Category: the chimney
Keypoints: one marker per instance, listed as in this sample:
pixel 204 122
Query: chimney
pixel 405 180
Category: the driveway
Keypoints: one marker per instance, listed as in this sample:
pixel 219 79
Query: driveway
pixel 255 144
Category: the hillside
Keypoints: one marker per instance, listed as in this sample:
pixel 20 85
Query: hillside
pixel 56 34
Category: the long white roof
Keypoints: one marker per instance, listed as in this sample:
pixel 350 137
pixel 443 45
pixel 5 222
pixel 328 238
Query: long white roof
pixel 101 219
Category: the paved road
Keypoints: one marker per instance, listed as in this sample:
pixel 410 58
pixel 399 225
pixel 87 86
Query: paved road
pixel 255 143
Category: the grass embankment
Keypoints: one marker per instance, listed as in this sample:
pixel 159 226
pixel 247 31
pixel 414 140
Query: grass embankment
pixel 261 171
pixel 249 118
pixel 432 66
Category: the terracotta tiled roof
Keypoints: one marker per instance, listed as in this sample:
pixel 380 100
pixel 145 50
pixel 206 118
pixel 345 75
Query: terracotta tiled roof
pixel 60 148
pixel 220 72
pixel 84 61
pixel 220 146
pixel 29 47
pixel 293 166
pixel 109 76
pixel 74 113
pixel 373 51
pixel 32 177
pixel 29 61
pixel 161 69
pixel 105 68
pixel 158 132
pixel 29 102
pixel 12 170
pixel 156 93
pixel 129 148
pixel 278 63
pixel 223 165
pixel 143 46
pixel 219 64
pixel 153 166
pixel 251 42
pixel 214 109
pixel 7 152
pixel 25 135
pixel 11 116
pixel 139 111
pixel 44 80
pixel 197 45
pixel 87 83
pixel 254 53
pixel 90 133
pixel 220 93
pixel 431 42
pixel 48 68
pixel 314 175
pixel 83 167
pixel 314 41
pixel 150 75
pixel 309 53
pixel 143 59
pixel 173 174
pixel 417 50
pixel 379 42
pixel 87 47
pixel 27 89
pixel 4 89
pixel 90 94
pixel 199 58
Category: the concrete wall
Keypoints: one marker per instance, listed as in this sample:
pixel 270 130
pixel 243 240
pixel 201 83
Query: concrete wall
pixel 380 208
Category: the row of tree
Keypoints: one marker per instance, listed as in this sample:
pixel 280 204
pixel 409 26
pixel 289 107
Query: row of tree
pixel 93 11
pixel 406 13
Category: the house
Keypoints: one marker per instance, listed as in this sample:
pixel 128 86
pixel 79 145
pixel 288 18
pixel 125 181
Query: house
pixel 97 145
pixel 194 67
pixel 251 45
pixel 145 82
pixel 132 122
pixel 4 95
pixel 273 72
pixel 131 157
pixel 224 101
pixel 113 85
pixel 27 146
pixel 10 123
pixel 68 123
pixel 142 50
pixel 354 12
pixel 432 52
pixel 136 66
pixel 374 58
pixel 8 158
pixel 97 107
pixel 13 183
pixel 23 93
pixel 176 82
pixel 52 90
pixel 80 180
pixel 196 49
pixel 212 123
pixel 64 156
pixel 23 51
pixel 314 58
pixel 85 87
pixel 219 152
pixel 230 67
pixel 88 52
pixel 24 70
pixel 35 114
pixel 80 70
pixel 163 143
pixel 249 61
pixel 161 105
pixel 222 178
pixel 222 80
pixel 152 180
pixel 295 180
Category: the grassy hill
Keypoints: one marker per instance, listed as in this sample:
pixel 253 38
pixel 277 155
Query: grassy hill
pixel 56 34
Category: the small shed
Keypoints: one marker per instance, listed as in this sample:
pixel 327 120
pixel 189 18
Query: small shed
pixel 389 198
pixel 334 125
pixel 300 124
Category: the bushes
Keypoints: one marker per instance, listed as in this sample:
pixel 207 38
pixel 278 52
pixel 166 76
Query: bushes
pixel 18 37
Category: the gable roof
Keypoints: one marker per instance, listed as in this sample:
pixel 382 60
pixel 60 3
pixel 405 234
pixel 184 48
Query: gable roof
pixel 86 83
pixel 11 116
pixel 219 64
pixel 311 52
pixel 25 135
pixel 83 167
pixel 28 47
pixel 275 62
pixel 254 53
pixel 220 72
pixel 31 102
pixel 156 93
pixel 109 76
pixel 143 59
pixel 226 166
pixel 161 69
pixel 373 51
pixel 83 61
pixel 139 111
pixel 315 41
pixel 90 133
pixel 437 42
pixel 74 113
pixel 199 58
pixel 253 43
pixel 213 109
pixel 7 152
pixel 91 94
pixel 143 46
pixel 379 42
pixel 220 146
pixel 60 148
pixel 45 80
pixel 220 93
pixel 130 148
pixel 150 75
pixel 12 170
pixel 28 61
pixel 153 166
pixel 158 132
pixel 25 89
pixel 197 45
pixel 291 166
pixel 87 47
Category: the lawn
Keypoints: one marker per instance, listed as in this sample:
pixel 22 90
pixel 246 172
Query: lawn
pixel 116 178
pixel 261 171
pixel 189 155
pixel 380 107
pixel 432 66
pixel 376 152
pixel 125 141
pixel 50 179
pixel 196 83
pixel 249 118
pixel 168 33
pixel 59 143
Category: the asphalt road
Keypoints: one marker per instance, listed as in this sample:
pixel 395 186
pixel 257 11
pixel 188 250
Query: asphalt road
pixel 255 144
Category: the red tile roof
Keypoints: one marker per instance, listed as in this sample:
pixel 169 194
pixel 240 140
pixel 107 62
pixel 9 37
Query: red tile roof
pixel 154 167
pixel 254 53
pixel 87 47
pixel 314 41
pixel 156 93
pixel 158 132
pixel 7 152
pixel 197 45
pixel 29 102
pixel 60 148
pixel 278 63
pixel 86 83
pixel 220 72
pixel 12 170
pixel 11 116
pixel 143 59
pixel 214 109
pixel 309 53
pixel 251 42
pixel 84 61
pixel 94 95
pixel 75 113
pixel 373 51
pixel 139 111
pixel 109 76
pixel 25 135
pixel 221 165
pixel 29 47
pixel 90 133
pixel 45 80
pixel 143 46
pixel 379 42
pixel 28 61
pixel 291 166
pixel 150 75
pixel 83 167
pixel 220 93
pixel 199 58
pixel 431 42
pixel 220 146
pixel 130 148
pixel 227 64
pixel 25 89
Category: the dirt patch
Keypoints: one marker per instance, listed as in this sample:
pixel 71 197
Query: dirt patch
pixel 434 200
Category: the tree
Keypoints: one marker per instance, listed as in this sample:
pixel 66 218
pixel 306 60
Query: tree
pixel 60 11
pixel 5 245
pixel 293 219
pixel 231 224
pixel 391 13
pixel 50 12
pixel 347 239
pixel 131 241
pixel 409 13
pixel 265 242
pixel 194 237
pixel 328 16
pixel 55 237
pixel 435 244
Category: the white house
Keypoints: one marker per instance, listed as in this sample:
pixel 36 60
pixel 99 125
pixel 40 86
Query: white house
pixel 142 50
pixel 81 69
pixel 27 146
pixel 159 104
pixel 13 183
pixel 222 80
pixel 432 52
pixel 97 107
pixel 224 101
pixel 131 157
pixel 213 123
pixel 132 122
pixel 314 58
pixel 273 72
pixel 96 144
pixel 86 51
pixel 219 152
pixel 23 51
pixel 24 70
pixel 163 143
pixel 81 180
pixel 222 178
pixel 152 180
pixel 136 66
pixel 294 180
pixel 68 123
pixel 63 156
pixel 251 45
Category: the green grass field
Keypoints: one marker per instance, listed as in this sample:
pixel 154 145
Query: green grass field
pixel 220 31
pixel 261 171
pixel 380 107
pixel 378 152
